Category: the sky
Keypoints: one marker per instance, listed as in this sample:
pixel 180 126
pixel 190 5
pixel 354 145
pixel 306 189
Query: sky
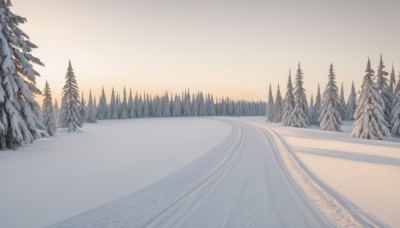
pixel 230 48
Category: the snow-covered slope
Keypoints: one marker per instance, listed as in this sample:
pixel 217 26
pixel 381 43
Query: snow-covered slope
pixel 56 178
pixel 251 179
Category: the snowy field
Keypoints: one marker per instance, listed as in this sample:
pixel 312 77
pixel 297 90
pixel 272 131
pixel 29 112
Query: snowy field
pixel 53 179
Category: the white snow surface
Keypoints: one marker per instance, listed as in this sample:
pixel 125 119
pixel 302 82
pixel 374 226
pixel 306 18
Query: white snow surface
pixel 219 172
pixel 56 178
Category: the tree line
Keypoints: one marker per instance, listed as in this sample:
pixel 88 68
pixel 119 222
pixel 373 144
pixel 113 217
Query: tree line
pixel 376 111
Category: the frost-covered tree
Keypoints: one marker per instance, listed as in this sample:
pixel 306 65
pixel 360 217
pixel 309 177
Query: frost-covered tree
pixel 300 112
pixel 331 117
pixel 395 121
pixel 186 106
pixel 19 112
pixel 311 109
pixel 278 106
pixel 124 112
pixel 397 87
pixel 113 109
pixel 383 89
pixel 342 104
pixel 351 103
pixel 392 83
pixel 288 103
pixel 56 113
pixel 316 108
pixel 270 106
pixel 102 108
pixel 70 117
pixel 369 116
pixel 131 106
pixel 146 106
pixel 83 109
pixel 91 111
pixel 48 117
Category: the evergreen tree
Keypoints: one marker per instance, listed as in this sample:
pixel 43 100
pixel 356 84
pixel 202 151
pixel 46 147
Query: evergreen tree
pixel 392 83
pixel 19 112
pixel 90 117
pixel 270 106
pixel 102 108
pixel 131 106
pixel 317 108
pixel 395 121
pixel 48 119
pixel 288 103
pixel 124 112
pixel 71 117
pixel 83 109
pixel 351 103
pixel 342 104
pixel 146 106
pixel 383 89
pixel 186 109
pixel 331 117
pixel 311 109
pixel 300 112
pixel 56 113
pixel 166 109
pixel 177 107
pixel 369 116
pixel 397 87
pixel 278 106
pixel 113 113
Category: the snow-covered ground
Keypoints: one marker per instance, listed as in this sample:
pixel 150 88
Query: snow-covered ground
pixel 53 179
pixel 253 177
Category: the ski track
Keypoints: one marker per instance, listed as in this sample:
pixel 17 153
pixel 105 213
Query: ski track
pixel 251 179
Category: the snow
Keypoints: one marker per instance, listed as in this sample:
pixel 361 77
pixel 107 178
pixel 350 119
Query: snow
pixel 260 174
pixel 55 178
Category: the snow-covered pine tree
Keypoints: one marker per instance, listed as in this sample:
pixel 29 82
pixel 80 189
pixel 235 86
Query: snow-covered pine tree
pixel 351 103
pixel 392 83
pixel 56 113
pixel 90 117
pixel 177 108
pixel 383 89
pixel 70 117
pixel 146 106
pixel 131 106
pixel 48 117
pixel 317 108
pixel 186 109
pixel 118 104
pixel 113 109
pixel 278 106
pixel 124 112
pixel 139 105
pixel 397 87
pixel 300 112
pixel 166 110
pixel 369 116
pixel 395 121
pixel 342 104
pixel 102 108
pixel 311 109
pixel 83 109
pixel 19 112
pixel 288 103
pixel 331 117
pixel 270 106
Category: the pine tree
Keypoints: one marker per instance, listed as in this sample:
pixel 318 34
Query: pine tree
pixel 83 109
pixel 288 103
pixel 331 117
pixel 383 89
pixel 48 119
pixel 124 112
pixel 351 103
pixel 102 108
pixel 392 83
pixel 186 104
pixel 70 105
pixel 311 109
pixel 342 103
pixel 300 112
pixel 146 106
pixel 317 108
pixel 131 106
pixel 395 121
pixel 270 106
pixel 56 113
pixel 278 106
pixel 113 109
pixel 90 117
pixel 369 116
pixel 19 112
pixel 397 87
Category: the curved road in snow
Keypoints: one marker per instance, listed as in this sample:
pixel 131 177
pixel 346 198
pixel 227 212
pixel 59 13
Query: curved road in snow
pixel 251 179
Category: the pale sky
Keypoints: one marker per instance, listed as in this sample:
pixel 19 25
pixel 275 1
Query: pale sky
pixel 229 48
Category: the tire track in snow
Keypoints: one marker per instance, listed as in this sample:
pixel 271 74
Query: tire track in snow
pixel 250 179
